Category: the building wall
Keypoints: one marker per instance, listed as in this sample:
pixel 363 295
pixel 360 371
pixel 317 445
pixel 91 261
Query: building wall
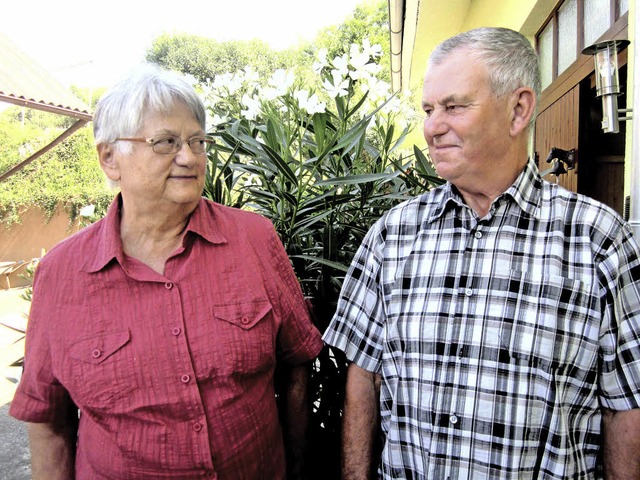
pixel 27 240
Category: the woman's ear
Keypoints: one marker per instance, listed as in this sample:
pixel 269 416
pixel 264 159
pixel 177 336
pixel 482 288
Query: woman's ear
pixel 108 161
pixel 523 106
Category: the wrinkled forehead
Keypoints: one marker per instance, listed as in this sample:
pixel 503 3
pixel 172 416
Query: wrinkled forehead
pixel 457 74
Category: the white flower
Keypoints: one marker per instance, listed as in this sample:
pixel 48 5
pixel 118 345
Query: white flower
pixel 250 75
pixel 87 211
pixel 269 93
pixel 322 60
pixel 235 83
pixel 309 103
pixel 377 89
pixel 341 64
pixel 339 86
pixel 392 106
pixel 218 120
pixel 302 96
pixel 371 50
pixel 221 80
pixel 282 78
pixel 253 107
pixel 360 62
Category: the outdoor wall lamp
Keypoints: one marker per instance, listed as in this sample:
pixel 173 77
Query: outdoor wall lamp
pixel 605 55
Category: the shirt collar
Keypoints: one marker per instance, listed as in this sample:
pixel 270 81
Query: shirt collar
pixel 109 243
pixel 205 222
pixel 525 191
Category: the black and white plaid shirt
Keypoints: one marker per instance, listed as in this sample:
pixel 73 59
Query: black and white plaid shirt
pixel 497 339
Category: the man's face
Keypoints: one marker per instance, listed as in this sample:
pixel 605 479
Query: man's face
pixel 153 179
pixel 466 126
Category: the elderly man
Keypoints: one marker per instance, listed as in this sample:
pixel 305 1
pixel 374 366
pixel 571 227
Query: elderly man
pixel 163 323
pixel 494 322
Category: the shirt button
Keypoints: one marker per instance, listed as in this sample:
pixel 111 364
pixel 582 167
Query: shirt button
pixel 176 331
pixel 245 320
pixel 478 234
pixel 197 427
pixel 468 292
pixel 185 378
pixel 96 353
pixel 453 419
pixel 168 285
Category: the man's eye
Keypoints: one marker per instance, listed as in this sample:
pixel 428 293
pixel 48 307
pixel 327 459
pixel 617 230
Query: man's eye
pixel 428 112
pixel 453 108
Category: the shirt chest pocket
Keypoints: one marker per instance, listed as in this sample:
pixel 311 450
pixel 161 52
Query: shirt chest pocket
pixel 550 321
pixel 245 335
pixel 101 368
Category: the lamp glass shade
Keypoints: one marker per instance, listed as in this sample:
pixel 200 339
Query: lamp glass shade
pixel 607 80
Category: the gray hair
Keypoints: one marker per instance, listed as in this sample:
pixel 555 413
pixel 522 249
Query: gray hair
pixel 509 57
pixel 120 112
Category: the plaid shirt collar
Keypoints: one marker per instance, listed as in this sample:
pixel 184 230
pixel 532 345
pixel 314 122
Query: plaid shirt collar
pixel 526 192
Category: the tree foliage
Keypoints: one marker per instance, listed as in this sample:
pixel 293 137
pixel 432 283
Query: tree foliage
pixel 68 175
pixel 204 58
pixel 369 20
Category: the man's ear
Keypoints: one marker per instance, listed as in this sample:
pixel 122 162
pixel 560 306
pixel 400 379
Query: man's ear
pixel 107 160
pixel 523 104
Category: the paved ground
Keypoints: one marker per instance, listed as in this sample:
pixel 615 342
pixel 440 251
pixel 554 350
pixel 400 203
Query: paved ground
pixel 14 446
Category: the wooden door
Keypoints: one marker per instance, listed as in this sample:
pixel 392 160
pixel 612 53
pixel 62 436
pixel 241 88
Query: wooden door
pixel 558 126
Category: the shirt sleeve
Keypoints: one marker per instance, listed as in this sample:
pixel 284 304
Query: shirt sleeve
pixel 357 327
pixel 620 330
pixel 299 341
pixel 39 398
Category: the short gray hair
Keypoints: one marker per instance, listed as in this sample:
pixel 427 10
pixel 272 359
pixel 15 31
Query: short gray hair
pixel 509 57
pixel 120 111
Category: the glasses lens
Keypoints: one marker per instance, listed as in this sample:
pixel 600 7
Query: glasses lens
pixel 198 145
pixel 166 145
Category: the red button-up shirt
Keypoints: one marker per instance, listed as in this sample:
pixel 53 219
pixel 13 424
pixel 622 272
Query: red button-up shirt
pixel 173 373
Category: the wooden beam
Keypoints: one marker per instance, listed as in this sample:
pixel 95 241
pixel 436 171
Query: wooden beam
pixel 68 132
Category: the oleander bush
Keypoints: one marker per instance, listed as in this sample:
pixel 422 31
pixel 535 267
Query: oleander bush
pixel 323 163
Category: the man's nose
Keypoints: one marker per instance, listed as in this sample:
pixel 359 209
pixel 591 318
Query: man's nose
pixel 434 123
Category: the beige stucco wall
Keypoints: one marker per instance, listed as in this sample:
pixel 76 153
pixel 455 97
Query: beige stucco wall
pixel 26 241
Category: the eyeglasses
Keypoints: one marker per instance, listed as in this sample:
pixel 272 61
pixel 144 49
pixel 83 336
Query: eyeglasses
pixel 170 144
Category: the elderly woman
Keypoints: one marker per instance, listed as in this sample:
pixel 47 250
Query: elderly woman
pixel 163 323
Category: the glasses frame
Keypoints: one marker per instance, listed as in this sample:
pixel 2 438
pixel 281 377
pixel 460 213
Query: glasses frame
pixel 152 142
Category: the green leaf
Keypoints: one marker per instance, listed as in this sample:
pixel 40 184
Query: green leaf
pixel 329 263
pixel 357 179
pixel 281 164
pixel 353 136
